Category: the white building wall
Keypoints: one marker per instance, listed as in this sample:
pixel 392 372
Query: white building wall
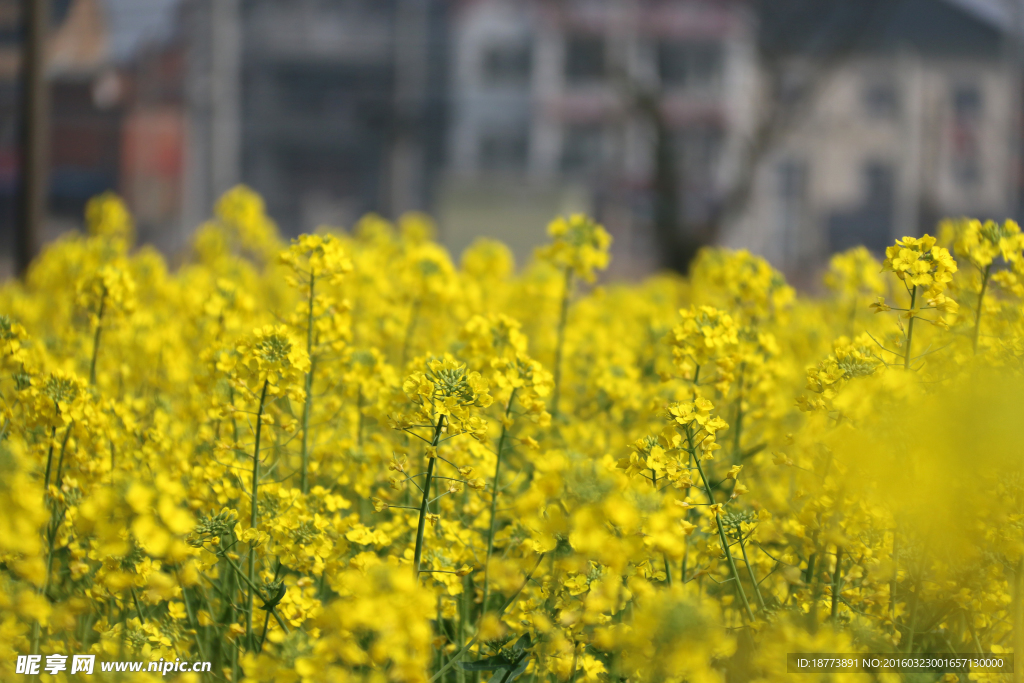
pixel 838 137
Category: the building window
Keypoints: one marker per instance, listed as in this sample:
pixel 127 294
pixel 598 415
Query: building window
pixel 879 185
pixel 582 148
pixel 585 59
pixel 871 222
pixel 697 151
pixel 504 150
pixel 312 91
pixel 507 64
pixel 967 102
pixel 881 100
pixel 690 64
pixel 966 133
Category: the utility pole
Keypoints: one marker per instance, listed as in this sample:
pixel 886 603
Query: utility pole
pixel 34 150
pixel 225 96
pixel 213 99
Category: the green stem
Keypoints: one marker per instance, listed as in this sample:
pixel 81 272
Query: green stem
pixel 266 626
pixel 981 299
pixel 686 553
pixel 721 533
pixel 494 500
pixel 138 610
pixel 49 460
pixel 463 616
pixel 55 521
pixel 974 634
pixel 739 416
pixel 63 448
pixel 421 525
pixel 668 567
pixel 562 319
pixel 439 652
pixel 815 583
pixel 234 422
pixel 837 581
pixel 226 589
pixel 359 426
pixel 254 517
pixel 191 616
pixel 308 407
pixel 911 631
pixel 96 339
pixel 915 601
pixel 895 574
pixel 249 582
pixel 910 329
pixel 750 573
pixel 458 655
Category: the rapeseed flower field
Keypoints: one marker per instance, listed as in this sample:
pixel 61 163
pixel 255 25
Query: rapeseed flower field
pixel 350 458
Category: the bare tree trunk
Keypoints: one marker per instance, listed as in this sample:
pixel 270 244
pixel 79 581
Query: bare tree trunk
pixel 830 49
pixel 667 223
pixel 35 134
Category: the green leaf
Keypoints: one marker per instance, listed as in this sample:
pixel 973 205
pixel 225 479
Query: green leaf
pixel 499 676
pixel 520 668
pixel 523 643
pixel 491 663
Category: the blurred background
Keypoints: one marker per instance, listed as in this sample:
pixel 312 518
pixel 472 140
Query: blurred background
pixel 793 128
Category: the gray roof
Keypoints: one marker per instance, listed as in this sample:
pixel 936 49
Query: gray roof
pixel 998 13
pixel 933 27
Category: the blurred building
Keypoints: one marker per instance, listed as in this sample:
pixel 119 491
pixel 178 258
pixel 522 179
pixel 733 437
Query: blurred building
pixel 108 78
pixel 605 106
pixel 329 109
pixel 915 116
pixel 85 134
pixel 149 82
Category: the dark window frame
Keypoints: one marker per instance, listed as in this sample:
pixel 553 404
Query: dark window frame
pixel 691 64
pixel 586 58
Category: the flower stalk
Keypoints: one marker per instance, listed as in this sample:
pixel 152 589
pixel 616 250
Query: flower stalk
pixel 981 301
pixel 307 408
pixel 255 514
pixel 721 532
pixel 96 339
pixel 421 524
pixel 910 327
pixel 494 500
pixel 563 318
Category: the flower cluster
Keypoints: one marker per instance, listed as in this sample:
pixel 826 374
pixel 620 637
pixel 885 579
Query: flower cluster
pixel 348 458
pixel 920 263
pixel 705 334
pixel 982 242
pixel 270 356
pixel 578 244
